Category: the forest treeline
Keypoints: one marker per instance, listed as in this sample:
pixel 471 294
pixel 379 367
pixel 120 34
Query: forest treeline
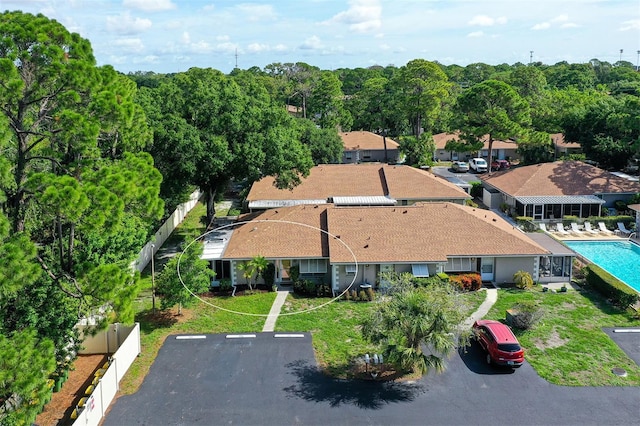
pixel 93 159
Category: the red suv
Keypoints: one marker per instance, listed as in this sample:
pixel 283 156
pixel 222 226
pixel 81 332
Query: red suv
pixel 501 344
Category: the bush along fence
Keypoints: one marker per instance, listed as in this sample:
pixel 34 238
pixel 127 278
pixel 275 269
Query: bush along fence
pixel 609 286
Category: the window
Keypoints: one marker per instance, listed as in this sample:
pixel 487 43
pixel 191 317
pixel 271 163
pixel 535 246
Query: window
pixel 366 154
pixel 347 155
pixel 460 264
pixel 350 269
pixel 420 270
pixel 313 266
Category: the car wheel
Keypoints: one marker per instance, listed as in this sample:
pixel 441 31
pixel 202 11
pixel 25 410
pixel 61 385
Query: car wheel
pixel 488 359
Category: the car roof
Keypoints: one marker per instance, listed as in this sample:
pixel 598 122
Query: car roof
pixel 502 333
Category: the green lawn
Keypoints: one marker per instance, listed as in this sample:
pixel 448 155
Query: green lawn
pixel 568 346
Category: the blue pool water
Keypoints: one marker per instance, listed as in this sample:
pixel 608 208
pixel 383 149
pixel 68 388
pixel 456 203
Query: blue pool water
pixel 620 258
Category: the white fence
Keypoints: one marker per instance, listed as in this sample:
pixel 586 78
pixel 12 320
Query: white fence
pixel 176 218
pixel 125 341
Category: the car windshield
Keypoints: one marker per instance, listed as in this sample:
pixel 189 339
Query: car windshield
pixel 482 162
pixel 509 347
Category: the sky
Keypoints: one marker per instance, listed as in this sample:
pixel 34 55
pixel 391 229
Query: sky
pixel 166 36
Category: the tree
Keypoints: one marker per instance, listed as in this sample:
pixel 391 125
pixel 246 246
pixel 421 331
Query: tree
pixel 326 145
pixel 414 318
pixel 494 109
pixel 418 151
pixel 222 131
pixel 326 103
pixel 423 87
pixel 182 277
pixel 256 266
pixel 26 362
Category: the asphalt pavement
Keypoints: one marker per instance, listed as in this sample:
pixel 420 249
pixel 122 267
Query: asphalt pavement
pixel 269 380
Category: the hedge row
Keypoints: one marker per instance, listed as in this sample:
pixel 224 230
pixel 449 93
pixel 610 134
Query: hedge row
pixel 466 282
pixel 611 287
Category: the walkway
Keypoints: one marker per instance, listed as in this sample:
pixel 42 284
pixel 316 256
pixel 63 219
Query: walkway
pixel 483 309
pixel 270 323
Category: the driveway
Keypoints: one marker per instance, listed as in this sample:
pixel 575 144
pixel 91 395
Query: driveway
pixel 274 381
pixel 445 172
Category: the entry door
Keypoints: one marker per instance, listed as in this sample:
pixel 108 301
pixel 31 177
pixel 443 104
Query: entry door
pixel 538 211
pixel 282 275
pixel 486 268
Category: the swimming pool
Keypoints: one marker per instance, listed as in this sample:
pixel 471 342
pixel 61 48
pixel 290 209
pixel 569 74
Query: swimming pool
pixel 619 258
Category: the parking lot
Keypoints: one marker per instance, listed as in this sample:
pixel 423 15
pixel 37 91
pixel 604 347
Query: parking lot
pixel 269 380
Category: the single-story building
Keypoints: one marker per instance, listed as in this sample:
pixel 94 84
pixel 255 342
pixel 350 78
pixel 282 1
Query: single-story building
pixel 362 147
pixel 502 150
pixel 339 246
pixel 550 191
pixel 366 184
pixel 563 148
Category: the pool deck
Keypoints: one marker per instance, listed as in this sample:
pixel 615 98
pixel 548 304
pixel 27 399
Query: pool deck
pixel 586 236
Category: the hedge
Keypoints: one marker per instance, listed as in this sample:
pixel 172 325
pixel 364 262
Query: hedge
pixel 610 221
pixel 611 287
pixel 466 282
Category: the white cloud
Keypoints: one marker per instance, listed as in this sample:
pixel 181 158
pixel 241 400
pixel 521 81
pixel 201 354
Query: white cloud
pixel 312 43
pixel 362 16
pixel 257 12
pixel 258 48
pixel 126 24
pixel 149 5
pixel 131 45
pixel 541 26
pixel 226 47
pixel 280 48
pixel 560 18
pixel 476 34
pixel 487 21
pixel 630 25
pixel 186 38
pixel 209 8
pixel 223 38
pixel 569 25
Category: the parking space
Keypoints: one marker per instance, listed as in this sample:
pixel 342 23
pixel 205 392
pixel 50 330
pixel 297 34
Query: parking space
pixel 264 379
pixel 628 339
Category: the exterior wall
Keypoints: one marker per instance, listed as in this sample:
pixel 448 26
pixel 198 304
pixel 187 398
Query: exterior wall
pixel 491 199
pixel 373 155
pixel 505 267
pixel 610 199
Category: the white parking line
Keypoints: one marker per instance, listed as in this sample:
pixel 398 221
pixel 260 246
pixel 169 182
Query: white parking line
pixel 628 330
pixel 240 336
pixel 190 337
pixel 288 335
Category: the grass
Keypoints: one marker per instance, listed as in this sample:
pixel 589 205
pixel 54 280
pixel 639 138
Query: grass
pixel 337 340
pixel 568 346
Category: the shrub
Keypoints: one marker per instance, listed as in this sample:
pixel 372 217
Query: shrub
pixel 525 314
pixel 526 223
pixel 443 276
pixel 225 284
pixel 476 189
pixel 426 282
pixel 371 295
pixel 610 287
pixel 523 280
pixel 466 282
pixel 294 273
pixel 269 275
pixel 471 203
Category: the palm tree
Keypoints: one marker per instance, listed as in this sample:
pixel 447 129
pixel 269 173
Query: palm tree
pixel 413 319
pixel 257 265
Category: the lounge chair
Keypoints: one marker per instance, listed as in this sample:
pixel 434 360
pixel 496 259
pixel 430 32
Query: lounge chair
pixel 575 229
pixel 589 229
pixel 543 227
pixel 560 229
pixel 623 229
pixel 604 229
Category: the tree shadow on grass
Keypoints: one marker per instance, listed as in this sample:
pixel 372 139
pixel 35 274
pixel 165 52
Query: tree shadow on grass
pixel 315 386
pixel 150 321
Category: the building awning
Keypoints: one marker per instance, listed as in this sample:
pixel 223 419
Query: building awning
pixel 273 204
pixel 375 200
pixel 215 243
pixel 419 270
pixel 551 244
pixel 560 199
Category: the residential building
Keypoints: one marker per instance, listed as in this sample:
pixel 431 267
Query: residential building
pixel 362 147
pixel 549 191
pixel 502 150
pixel 366 184
pixel 563 148
pixel 351 246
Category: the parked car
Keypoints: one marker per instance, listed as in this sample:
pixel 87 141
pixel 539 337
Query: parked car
pixel 478 165
pixel 500 165
pixel 459 166
pixel 501 344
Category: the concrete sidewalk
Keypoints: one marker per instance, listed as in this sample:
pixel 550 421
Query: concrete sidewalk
pixel 483 309
pixel 270 323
